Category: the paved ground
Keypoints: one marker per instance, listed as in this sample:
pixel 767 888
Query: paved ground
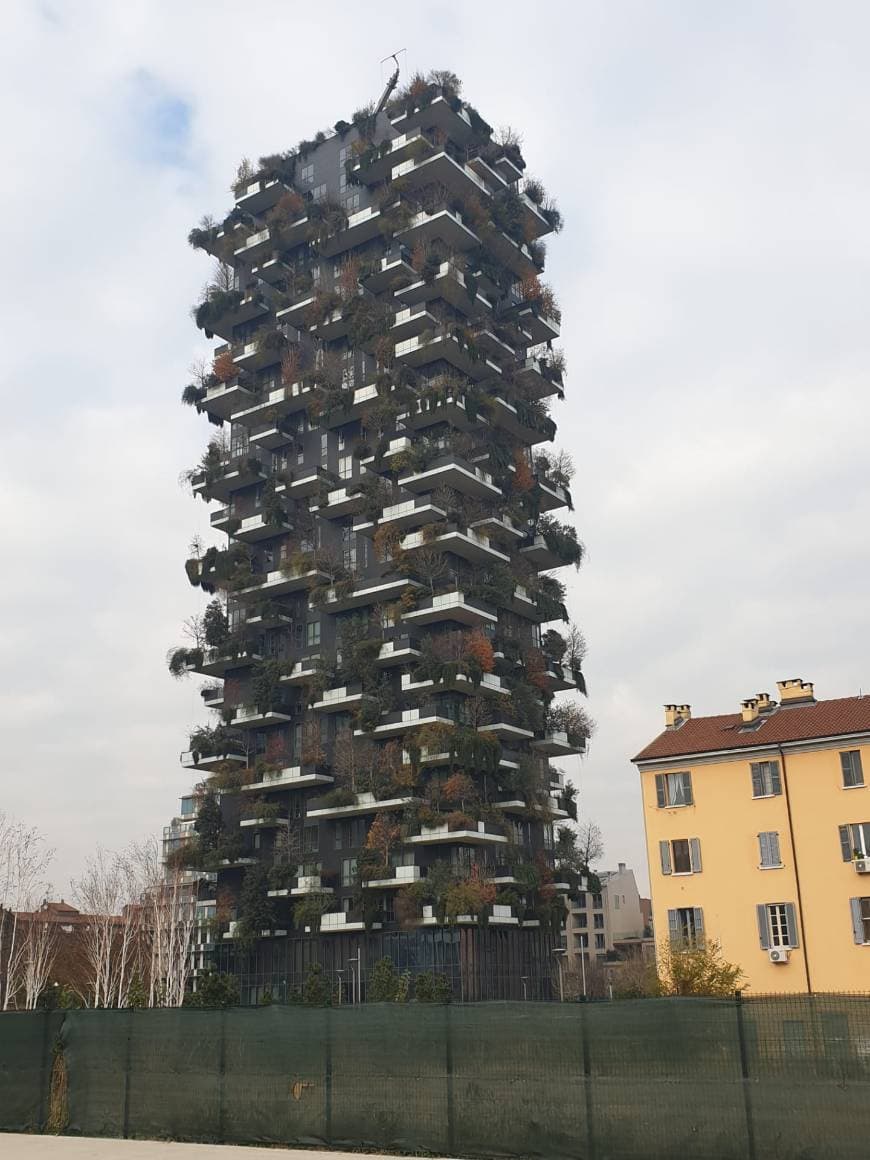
pixel 14 1147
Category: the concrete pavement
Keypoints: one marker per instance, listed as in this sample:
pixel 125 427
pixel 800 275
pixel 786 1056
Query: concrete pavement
pixel 14 1147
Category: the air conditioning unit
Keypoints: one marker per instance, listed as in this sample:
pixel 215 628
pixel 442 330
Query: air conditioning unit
pixel 778 954
pixel 862 865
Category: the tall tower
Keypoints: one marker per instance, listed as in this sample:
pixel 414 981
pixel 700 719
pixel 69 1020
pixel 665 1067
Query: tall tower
pixel 385 639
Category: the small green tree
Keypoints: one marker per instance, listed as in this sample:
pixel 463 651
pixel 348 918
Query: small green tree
pixel 384 983
pixel 256 910
pixel 214 990
pixel 432 987
pixel 698 968
pixel 209 824
pixel 315 990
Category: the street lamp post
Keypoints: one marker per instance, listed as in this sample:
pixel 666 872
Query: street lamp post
pixel 560 953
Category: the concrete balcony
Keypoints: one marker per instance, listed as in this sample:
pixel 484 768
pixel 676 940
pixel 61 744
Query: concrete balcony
pixel 396 446
pixel 305 482
pixel 509 418
pixel 401 876
pixel 448 285
pixel 379 168
pixel 500 351
pixel 213 696
pixel 442 835
pixel 451 471
pixel 505 731
pixel 444 224
pixel 255 247
pixel 538 326
pixel 366 803
pixel 502 526
pixel 397 652
pixel 514 255
pixel 271 435
pixel 410 513
pixel 223 399
pixel 555 743
pixel 303 672
pixel 340 502
pixel 339 700
pixel 192 759
pixel 411 322
pixel 391 272
pixel 335 325
pixel 272 618
pixel 361 227
pixel 536 224
pixel 216 662
pixel 280 583
pixel 523 604
pixel 337 922
pixel 264 823
pixel 452 606
pixel 451 409
pixel 237 470
pixel 395 724
pixel 295 313
pixel 438 114
pixel 443 170
pixel 290 777
pixel 422 351
pixel 536 374
pixel 250 717
pixel 551 495
pixel 252 306
pixel 489 683
pixel 261 195
pixel 369 592
pixel 305 884
pixel 541 555
pixel 271 271
pixel 257 527
pixel 280 401
pixel 469 545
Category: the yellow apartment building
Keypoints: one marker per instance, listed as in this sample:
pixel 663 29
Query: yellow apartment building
pixel 758 835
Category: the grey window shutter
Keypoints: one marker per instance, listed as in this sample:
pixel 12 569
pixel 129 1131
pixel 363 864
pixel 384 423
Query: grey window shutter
pixel 673 925
pixel 763 926
pixel 699 920
pixel 757 781
pixel 695 855
pixel 687 789
pixel 660 790
pixel 775 855
pixel 791 919
pixel 846 843
pixel 665 855
pixel 775 780
pixel 857 920
pixel 857 768
pixel 846 767
pixel 764 848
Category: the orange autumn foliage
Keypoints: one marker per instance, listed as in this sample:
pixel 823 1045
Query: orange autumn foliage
pixel 523 479
pixel 479 649
pixel 224 369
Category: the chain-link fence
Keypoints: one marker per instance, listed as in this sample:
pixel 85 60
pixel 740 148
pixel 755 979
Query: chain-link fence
pixel 777 1076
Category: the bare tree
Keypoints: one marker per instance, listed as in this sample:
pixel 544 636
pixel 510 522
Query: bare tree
pixel 24 861
pixel 223 277
pixel 39 950
pixel 105 893
pixel 590 843
pixel 165 923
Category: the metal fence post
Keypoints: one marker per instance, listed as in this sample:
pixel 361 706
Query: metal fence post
pixel 128 1062
pixel 222 1071
pixel 587 1081
pixel 744 1077
pixel 328 1077
pixel 45 1071
pixel 448 1059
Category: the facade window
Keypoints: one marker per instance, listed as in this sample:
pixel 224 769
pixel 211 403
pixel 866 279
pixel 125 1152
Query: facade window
pixel 548 836
pixel 583 940
pixel 861 920
pixel 597 902
pixel 853 773
pixel 312 634
pixel 345 467
pixel 777 925
pixel 599 942
pixel 768 849
pixel 766 781
pixel 310 839
pixel 580 901
pixel 319 192
pixel 580 920
pixel 686 924
pixel 598 921
pixel 348 548
pixel 673 789
pixel 352 203
pixel 616 902
pixel 680 856
pixel 855 841
pixel 348 871
pixel 306 174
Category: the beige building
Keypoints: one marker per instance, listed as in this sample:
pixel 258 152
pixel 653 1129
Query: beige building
pixel 758 836
pixel 598 921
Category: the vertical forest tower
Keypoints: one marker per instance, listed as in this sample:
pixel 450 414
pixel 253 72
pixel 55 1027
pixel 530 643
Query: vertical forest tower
pixel 386 640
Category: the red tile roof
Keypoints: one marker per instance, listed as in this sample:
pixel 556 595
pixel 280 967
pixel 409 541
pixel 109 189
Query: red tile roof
pixel 790 723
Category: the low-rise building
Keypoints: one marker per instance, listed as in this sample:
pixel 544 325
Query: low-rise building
pixel 756 836
pixel 598 920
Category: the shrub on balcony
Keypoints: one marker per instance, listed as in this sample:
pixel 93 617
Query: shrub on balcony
pixel 181 660
pixel 340 796
pixel 309 910
pixel 214 306
pixel 266 684
pixel 255 909
pixel 572 719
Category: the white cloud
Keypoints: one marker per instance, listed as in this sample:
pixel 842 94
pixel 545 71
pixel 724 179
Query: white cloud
pixel 710 166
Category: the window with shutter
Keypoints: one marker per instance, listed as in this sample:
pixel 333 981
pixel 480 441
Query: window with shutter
pixel 695 855
pixel 777 922
pixel 681 856
pixel 673 789
pixel 766 781
pixel 768 844
pixel 853 773
pixel 665 855
pixel 860 920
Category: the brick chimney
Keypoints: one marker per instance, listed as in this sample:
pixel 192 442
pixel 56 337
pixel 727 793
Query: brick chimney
pixel 765 705
pixel 677 715
pixel 749 710
pixel 796 691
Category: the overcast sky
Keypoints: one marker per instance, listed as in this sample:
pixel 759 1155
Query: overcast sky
pixel 711 164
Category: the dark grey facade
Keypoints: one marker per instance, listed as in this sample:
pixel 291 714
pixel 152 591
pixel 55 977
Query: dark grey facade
pixel 384 644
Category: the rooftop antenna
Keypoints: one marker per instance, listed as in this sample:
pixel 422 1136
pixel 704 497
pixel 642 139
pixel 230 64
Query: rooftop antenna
pixel 391 83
